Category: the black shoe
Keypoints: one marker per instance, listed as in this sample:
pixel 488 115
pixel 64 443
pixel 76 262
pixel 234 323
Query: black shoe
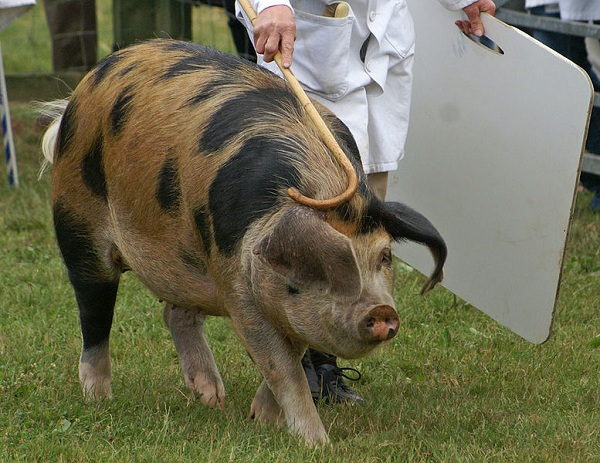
pixel 333 387
pixel 327 383
pixel 311 376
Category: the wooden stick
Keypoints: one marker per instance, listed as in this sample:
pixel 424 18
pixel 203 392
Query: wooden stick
pixel 328 138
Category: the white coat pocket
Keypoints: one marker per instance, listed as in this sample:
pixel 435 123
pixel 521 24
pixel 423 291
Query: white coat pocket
pixel 400 33
pixel 324 44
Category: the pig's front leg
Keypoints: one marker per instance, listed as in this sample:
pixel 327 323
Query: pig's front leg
pixel 199 368
pixel 284 394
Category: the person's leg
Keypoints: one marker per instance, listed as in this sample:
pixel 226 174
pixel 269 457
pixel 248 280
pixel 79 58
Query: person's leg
pixel 326 378
pixel 593 50
pixel 72 25
pixel 378 184
pixel 570 46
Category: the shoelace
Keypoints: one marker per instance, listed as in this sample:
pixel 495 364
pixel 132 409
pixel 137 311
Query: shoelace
pixel 332 372
pixel 333 386
pixel 341 372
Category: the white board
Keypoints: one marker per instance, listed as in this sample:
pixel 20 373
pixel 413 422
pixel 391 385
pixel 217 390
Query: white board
pixel 492 159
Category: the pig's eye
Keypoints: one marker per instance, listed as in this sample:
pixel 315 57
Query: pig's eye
pixel 386 258
pixel 292 291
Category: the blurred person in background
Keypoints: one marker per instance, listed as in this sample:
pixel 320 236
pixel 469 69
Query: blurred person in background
pixel 72 25
pixel 574 48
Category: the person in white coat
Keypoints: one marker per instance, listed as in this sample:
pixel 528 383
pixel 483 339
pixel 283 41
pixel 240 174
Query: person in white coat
pixel 356 58
pixel 348 61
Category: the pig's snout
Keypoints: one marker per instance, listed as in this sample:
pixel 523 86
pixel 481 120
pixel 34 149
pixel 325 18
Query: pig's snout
pixel 380 324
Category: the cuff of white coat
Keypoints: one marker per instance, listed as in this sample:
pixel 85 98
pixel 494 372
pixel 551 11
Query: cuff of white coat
pixel 261 5
pixel 456 4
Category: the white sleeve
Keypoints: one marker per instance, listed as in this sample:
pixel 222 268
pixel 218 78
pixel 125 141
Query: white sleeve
pixel 456 4
pixel 534 3
pixel 260 5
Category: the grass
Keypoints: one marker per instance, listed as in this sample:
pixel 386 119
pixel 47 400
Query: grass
pixel 452 386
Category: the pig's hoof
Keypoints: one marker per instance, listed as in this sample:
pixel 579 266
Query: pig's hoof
pixel 268 414
pixel 95 382
pixel 313 433
pixel 98 389
pixel 314 439
pixel 210 393
pixel 265 408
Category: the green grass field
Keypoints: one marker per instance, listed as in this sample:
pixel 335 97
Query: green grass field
pixel 453 386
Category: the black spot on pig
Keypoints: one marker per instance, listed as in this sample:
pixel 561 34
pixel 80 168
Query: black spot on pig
pixel 128 69
pixel 198 58
pixel 214 87
pixel 235 115
pixel 75 243
pixel 346 141
pixel 95 293
pixel 202 221
pixel 248 186
pixel 347 213
pixel 205 93
pixel 371 218
pixel 67 128
pixel 92 169
pixel 184 66
pixel 105 66
pixel 292 290
pixel 120 110
pixel 168 192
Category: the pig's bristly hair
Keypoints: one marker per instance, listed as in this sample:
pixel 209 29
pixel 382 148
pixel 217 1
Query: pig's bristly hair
pixel 229 91
pixel 52 110
pixel 404 223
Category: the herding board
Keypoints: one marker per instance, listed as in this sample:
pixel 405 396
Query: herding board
pixel 492 159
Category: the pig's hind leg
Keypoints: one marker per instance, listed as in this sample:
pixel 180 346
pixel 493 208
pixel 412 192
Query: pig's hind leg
pixel 199 368
pixel 96 306
pixel 95 280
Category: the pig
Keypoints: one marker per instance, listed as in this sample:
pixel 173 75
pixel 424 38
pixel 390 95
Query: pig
pixel 174 161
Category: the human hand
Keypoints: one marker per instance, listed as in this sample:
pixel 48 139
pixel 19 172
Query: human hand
pixel 473 25
pixel 275 30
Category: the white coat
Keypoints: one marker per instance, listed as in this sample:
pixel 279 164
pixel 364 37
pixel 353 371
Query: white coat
pixel 372 97
pixel 580 10
pixel 573 10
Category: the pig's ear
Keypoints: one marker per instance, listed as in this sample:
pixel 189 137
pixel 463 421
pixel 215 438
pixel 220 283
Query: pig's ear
pixel 404 223
pixel 310 254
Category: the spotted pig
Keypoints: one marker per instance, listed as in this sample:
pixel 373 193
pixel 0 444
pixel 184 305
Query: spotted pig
pixel 174 161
